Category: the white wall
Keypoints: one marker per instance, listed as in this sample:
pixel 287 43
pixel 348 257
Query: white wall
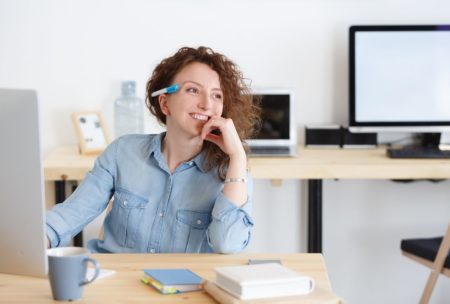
pixel 75 53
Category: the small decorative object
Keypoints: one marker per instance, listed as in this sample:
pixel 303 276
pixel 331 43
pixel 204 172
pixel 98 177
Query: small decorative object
pixel 91 132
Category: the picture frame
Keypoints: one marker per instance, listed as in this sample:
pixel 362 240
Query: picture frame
pixel 91 132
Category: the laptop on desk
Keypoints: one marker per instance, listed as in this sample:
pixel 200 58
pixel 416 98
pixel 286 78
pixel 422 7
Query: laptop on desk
pixel 277 136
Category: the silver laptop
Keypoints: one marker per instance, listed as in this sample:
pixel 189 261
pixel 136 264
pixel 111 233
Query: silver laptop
pixel 22 221
pixel 278 134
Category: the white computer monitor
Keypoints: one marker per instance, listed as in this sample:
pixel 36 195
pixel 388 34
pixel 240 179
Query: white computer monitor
pixel 22 208
pixel 399 79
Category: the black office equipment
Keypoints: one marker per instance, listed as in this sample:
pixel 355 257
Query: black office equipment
pixel 337 136
pixel 418 153
pixel 323 135
pixel 350 139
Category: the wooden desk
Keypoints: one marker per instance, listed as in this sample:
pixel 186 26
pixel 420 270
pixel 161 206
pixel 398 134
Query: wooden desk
pixel 125 286
pixel 64 163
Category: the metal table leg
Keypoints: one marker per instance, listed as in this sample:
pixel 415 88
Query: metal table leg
pixel 60 191
pixel 78 239
pixel 315 216
pixel 60 196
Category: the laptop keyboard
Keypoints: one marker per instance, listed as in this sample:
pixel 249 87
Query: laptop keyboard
pixel 270 150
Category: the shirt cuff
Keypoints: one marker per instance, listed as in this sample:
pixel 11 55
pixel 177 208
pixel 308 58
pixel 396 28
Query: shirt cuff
pixel 52 236
pixel 57 230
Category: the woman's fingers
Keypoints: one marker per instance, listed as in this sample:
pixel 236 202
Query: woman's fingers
pixel 227 139
pixel 212 124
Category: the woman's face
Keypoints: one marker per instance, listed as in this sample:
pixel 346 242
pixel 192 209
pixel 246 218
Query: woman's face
pixel 198 98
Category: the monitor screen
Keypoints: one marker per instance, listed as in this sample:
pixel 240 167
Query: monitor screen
pixel 399 78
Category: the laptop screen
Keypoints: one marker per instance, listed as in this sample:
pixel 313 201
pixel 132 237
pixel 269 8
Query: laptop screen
pixel 275 116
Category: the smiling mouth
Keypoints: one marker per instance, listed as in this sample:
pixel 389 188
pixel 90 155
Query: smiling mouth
pixel 200 117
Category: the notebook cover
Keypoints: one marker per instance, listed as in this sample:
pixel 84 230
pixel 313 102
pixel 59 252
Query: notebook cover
pixel 174 276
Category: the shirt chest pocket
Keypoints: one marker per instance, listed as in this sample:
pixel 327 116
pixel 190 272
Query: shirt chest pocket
pixel 190 230
pixel 126 216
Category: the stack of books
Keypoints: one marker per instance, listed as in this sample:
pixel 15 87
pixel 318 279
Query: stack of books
pixel 262 281
pixel 171 281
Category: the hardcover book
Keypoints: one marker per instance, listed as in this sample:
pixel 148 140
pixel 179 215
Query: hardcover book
pixel 170 281
pixel 262 281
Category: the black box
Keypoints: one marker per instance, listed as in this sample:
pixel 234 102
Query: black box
pixel 337 136
pixel 359 140
pixel 327 135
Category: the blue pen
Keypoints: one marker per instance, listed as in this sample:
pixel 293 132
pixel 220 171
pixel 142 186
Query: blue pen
pixel 172 89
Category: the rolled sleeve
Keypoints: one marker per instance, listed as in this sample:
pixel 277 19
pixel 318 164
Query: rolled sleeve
pixel 224 208
pixel 58 231
pixel 231 227
pixel 90 198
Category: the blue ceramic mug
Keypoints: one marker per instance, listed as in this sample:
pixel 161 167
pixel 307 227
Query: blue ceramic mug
pixel 67 268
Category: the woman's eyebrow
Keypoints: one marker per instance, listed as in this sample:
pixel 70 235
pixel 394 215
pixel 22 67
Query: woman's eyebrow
pixel 199 84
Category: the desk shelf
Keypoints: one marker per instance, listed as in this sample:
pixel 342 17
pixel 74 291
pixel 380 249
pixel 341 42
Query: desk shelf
pixel 65 163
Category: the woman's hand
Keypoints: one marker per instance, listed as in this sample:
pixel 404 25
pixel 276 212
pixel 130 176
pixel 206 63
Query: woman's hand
pixel 228 140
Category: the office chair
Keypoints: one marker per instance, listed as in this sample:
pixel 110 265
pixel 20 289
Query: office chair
pixel 434 254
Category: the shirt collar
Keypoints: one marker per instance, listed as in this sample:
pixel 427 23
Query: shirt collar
pixel 155 149
pixel 199 161
pixel 155 144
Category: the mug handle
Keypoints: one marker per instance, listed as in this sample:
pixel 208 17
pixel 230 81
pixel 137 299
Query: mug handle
pixel 97 271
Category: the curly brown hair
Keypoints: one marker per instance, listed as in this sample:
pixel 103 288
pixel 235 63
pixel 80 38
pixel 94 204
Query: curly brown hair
pixel 238 103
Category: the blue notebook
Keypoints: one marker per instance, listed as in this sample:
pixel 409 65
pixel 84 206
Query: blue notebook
pixel 169 281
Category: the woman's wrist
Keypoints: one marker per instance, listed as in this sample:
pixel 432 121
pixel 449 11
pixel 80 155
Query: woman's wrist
pixel 237 167
pixel 238 156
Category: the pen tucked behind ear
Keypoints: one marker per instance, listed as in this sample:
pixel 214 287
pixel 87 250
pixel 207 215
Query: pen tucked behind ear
pixel 169 90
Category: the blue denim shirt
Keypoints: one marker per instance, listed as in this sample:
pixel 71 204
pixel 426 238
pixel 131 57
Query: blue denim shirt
pixel 153 210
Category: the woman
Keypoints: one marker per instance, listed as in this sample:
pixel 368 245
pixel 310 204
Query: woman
pixel 184 190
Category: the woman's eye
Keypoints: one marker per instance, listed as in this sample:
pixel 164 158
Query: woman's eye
pixel 192 90
pixel 217 96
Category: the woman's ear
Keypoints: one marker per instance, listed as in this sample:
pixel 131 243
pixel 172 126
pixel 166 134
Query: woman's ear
pixel 162 99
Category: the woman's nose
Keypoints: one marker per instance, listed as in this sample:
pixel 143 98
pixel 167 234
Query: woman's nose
pixel 205 102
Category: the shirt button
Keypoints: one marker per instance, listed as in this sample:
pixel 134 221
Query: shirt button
pixel 190 163
pixel 152 250
pixel 125 203
pixel 160 214
pixel 199 222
